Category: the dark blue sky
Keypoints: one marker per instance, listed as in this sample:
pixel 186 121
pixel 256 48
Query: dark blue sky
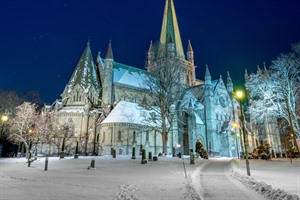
pixel 42 41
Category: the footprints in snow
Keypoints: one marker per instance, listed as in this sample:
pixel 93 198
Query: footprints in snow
pixel 126 192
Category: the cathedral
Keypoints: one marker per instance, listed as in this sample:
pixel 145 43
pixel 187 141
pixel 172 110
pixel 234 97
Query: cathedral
pixel 103 104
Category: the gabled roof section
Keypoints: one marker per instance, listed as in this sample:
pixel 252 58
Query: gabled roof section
pixel 130 76
pixel 128 112
pixel 85 73
pixel 170 29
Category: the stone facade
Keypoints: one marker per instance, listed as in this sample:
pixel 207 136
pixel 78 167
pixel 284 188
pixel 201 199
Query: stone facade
pixel 97 94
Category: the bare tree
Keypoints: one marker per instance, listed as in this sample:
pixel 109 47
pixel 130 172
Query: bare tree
pixel 9 100
pixel 276 94
pixel 61 135
pixel 164 83
pixel 22 125
pixel 286 78
pixel 263 101
pixel 44 128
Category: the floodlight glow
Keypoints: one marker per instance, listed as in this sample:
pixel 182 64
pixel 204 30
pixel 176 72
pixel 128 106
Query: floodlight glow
pixel 239 94
pixel 4 118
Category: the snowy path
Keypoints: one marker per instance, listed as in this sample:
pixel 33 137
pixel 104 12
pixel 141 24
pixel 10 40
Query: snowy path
pixel 217 184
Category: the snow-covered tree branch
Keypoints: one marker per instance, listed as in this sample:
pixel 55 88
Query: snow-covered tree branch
pixel 276 93
pixel 22 125
pixel 165 87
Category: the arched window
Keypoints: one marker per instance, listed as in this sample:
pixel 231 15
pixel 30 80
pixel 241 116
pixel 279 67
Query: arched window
pixel 119 136
pixel 147 136
pixel 134 136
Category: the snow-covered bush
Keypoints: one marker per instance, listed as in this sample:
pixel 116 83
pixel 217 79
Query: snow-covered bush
pixel 264 151
pixel 200 150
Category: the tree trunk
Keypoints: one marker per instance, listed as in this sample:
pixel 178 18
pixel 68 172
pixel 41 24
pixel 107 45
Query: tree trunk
pixel 165 140
pixel 164 134
pixel 26 150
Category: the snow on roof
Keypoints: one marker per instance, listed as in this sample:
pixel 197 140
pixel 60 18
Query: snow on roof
pixel 198 119
pixel 79 109
pixel 131 76
pixel 85 73
pixel 128 112
pixel 190 101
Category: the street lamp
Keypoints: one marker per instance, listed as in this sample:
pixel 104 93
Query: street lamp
pixel 4 118
pixel 239 95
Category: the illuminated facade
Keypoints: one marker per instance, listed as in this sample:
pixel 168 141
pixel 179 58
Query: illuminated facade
pixel 103 100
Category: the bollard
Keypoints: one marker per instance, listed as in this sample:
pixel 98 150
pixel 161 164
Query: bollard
pixel 114 153
pixel 144 160
pixel 93 163
pixel 149 155
pixel 179 155
pixel 76 155
pixel 154 158
pixel 46 164
pixel 192 158
pixel 133 153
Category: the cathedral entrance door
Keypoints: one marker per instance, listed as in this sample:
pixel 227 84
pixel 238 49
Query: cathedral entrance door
pixel 186 144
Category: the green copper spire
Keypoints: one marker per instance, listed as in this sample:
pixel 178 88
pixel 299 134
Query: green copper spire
pixel 170 30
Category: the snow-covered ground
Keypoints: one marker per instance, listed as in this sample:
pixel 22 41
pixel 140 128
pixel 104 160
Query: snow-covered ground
pixel 125 179
pixel 274 179
pixel 119 179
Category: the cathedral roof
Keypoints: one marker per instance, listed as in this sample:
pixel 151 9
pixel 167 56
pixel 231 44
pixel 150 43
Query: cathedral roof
pixel 85 73
pixel 128 112
pixel 170 29
pixel 131 76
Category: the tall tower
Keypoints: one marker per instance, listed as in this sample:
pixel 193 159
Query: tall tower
pixel 170 36
pixel 190 66
pixel 170 29
pixel 209 111
pixel 108 77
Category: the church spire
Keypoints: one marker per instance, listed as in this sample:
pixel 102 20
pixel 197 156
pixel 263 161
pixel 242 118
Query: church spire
pixel 266 73
pixel 150 55
pixel 109 52
pixel 229 84
pixel 190 53
pixel 246 76
pixel 170 29
pixel 207 75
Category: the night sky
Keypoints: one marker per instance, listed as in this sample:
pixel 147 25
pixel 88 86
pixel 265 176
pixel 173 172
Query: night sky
pixel 42 41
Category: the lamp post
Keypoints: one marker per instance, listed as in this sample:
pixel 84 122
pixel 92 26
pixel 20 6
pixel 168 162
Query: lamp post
pixel 236 140
pixel 239 95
